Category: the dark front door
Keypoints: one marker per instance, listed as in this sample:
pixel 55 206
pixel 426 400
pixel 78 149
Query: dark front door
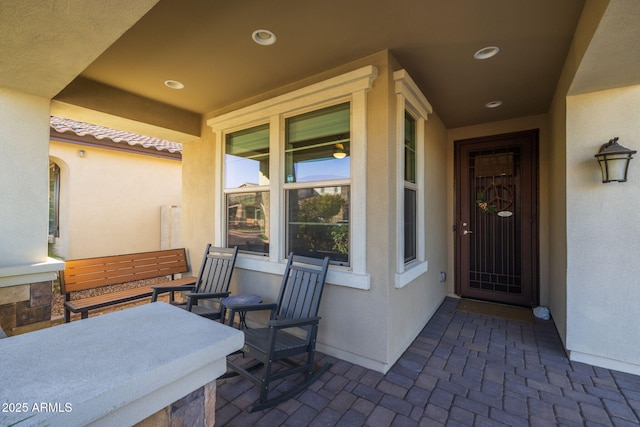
pixel 496 218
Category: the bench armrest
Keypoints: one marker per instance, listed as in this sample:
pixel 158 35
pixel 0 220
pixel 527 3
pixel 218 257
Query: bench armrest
pixel 171 288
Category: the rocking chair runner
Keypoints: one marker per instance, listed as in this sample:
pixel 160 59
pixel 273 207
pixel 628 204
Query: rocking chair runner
pixel 297 307
pixel 213 284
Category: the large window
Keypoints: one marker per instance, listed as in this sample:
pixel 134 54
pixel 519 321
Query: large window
pixel 246 181
pixel 317 154
pixel 410 189
pixel 298 182
pixel 412 109
pixel 316 182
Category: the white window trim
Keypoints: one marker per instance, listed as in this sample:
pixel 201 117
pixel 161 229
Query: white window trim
pixel 409 98
pixel 352 87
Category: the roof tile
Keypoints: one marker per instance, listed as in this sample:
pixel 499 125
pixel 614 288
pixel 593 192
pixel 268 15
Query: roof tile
pixel 62 125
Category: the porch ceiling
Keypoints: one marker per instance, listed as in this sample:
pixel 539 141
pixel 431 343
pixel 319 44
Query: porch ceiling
pixel 207 46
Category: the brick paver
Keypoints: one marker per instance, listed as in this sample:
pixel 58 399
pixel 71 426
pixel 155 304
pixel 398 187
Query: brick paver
pixel 462 370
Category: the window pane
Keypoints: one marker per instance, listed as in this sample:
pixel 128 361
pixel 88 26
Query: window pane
pixel 318 222
pixel 246 158
pixel 54 200
pixel 248 221
pixel 409 148
pixel 410 228
pixel 318 144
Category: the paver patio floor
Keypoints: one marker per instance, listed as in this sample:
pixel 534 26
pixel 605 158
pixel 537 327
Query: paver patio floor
pixel 462 370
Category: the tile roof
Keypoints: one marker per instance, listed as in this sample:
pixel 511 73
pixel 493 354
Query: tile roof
pixel 62 125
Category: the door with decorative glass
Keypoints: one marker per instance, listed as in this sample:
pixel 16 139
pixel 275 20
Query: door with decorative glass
pixel 496 218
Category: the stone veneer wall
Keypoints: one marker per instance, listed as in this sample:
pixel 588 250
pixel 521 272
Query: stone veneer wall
pixel 25 308
pixel 195 409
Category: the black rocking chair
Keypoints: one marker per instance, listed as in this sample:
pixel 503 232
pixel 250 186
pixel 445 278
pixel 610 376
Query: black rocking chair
pixel 297 307
pixel 212 284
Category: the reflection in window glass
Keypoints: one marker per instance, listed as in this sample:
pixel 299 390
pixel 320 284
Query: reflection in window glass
pixel 248 221
pixel 410 199
pixel 318 222
pixel 318 144
pixel 409 148
pixel 54 200
pixel 410 225
pixel 246 158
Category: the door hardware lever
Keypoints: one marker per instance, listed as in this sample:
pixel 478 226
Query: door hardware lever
pixel 467 232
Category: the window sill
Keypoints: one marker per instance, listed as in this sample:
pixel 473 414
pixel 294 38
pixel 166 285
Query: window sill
pixel 412 271
pixel 341 276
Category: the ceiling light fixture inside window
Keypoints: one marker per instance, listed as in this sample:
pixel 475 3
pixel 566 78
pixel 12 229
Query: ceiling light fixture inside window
pixel 264 37
pixel 493 104
pixel 487 52
pixel 338 152
pixel 174 84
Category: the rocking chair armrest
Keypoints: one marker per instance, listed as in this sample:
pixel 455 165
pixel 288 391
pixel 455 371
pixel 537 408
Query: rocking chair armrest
pixel 243 308
pixel 251 307
pixel 157 290
pixel 292 323
pixel 211 295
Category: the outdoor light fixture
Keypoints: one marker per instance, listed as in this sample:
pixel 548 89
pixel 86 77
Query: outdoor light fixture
pixel 339 152
pixel 614 161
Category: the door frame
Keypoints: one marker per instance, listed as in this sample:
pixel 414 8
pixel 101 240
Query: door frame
pixel 534 244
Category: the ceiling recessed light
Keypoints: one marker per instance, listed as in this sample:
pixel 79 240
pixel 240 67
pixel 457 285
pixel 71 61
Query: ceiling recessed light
pixel 493 104
pixel 487 52
pixel 264 37
pixel 174 84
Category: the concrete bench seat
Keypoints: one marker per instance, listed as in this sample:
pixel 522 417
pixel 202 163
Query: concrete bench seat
pixel 121 370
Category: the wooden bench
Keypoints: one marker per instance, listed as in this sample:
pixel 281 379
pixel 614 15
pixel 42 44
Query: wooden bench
pixel 92 273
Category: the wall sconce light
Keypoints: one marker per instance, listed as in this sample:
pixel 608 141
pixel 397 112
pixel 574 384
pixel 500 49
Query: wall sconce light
pixel 81 153
pixel 614 161
pixel 338 152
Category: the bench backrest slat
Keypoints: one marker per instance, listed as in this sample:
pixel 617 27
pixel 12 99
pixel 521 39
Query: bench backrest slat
pixel 96 272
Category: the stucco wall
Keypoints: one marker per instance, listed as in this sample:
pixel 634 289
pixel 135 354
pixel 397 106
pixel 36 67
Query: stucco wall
pixel 371 327
pixel 25 270
pixel 111 201
pixel 556 154
pixel 602 233
pixel 357 323
pixel 411 306
pixel 24 136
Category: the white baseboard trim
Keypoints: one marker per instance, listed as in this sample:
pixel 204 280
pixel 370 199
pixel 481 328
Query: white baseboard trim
pixel 604 362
